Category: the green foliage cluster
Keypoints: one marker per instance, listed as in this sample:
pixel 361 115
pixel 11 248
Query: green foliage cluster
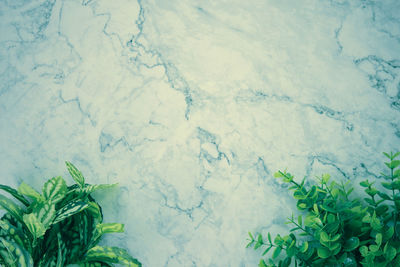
pixel 337 230
pixel 61 225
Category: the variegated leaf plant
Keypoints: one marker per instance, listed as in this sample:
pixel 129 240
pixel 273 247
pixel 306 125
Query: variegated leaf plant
pixel 62 225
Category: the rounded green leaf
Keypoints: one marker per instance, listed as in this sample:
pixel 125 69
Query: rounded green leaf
pixel 323 252
pixel 303 248
pixel 351 244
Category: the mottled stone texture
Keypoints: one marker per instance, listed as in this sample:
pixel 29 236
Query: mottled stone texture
pixel 191 106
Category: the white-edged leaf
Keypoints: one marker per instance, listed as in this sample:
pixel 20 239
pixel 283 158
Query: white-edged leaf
pixel 76 174
pixel 55 189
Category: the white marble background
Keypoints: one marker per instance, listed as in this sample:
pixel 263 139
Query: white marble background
pixel 191 106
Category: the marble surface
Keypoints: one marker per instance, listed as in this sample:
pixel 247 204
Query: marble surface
pixel 191 106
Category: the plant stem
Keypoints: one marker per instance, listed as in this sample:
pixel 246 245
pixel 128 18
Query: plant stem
pixel 395 207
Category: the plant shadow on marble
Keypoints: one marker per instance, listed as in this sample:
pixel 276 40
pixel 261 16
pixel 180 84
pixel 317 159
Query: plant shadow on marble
pixel 60 226
pixel 337 229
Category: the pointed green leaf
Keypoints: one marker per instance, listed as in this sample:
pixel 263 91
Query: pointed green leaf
pixel 389 252
pixel 266 251
pixel 55 189
pixel 387 185
pixel 45 212
pixel 300 220
pixel 14 255
pixel 111 255
pixel 378 239
pixel 15 194
pixel 262 263
pixel 251 236
pixel 276 252
pixel 13 232
pixel 36 228
pixel 11 207
pixel 394 164
pixel 70 210
pixel 76 174
pixel 27 190
pixel 88 189
pixel 104 228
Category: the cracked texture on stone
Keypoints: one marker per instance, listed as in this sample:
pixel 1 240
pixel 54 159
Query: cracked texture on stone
pixel 191 106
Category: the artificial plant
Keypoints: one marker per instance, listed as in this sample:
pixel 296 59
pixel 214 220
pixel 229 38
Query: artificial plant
pixel 59 226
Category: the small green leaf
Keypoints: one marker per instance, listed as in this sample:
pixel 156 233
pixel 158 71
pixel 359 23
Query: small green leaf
pixel 364 251
pixel 304 247
pixel 384 195
pixel 325 178
pixel 394 164
pixel 262 263
pixel 276 252
pixel 323 252
pixel 351 244
pixel 389 233
pixel 373 248
pixel 251 236
pixel 387 155
pixel 365 183
pixel 389 252
pixel 300 220
pixel 76 174
pixel 324 237
pixel 378 239
pixel 387 185
pixel 278 240
pixel 266 251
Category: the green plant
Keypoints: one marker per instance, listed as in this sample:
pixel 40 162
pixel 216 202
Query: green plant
pixel 336 229
pixel 60 226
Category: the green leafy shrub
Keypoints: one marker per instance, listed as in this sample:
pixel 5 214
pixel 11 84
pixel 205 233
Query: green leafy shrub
pixel 335 229
pixel 60 226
